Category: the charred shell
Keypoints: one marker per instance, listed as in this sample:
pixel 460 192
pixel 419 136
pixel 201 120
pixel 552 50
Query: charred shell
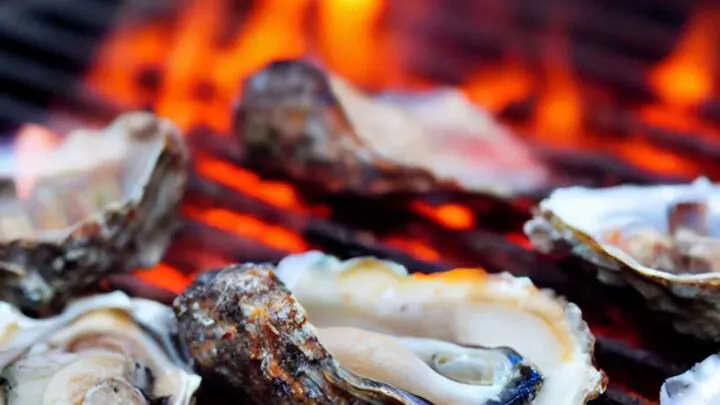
pixel 104 349
pixel 661 240
pixel 102 202
pixel 241 322
pixel 299 121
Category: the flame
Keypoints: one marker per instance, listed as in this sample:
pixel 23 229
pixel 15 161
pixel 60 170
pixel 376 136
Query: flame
pixel 169 277
pixel 190 69
pixel 688 75
pixel 275 193
pixel 414 247
pixel 452 216
pixel 341 20
pixel 560 108
pixel 250 227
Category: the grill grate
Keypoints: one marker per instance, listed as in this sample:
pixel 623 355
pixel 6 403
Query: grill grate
pixel 45 45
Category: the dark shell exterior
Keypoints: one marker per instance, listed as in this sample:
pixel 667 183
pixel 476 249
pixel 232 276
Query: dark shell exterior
pixel 291 121
pixel 242 325
pixel 79 226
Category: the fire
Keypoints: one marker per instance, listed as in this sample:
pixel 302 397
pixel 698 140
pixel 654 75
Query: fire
pixel 689 75
pixel 278 194
pixel 340 20
pixel 191 67
pixel 247 226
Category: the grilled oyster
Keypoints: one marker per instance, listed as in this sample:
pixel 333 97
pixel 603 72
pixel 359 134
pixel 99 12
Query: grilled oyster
pixel 662 240
pixel 466 306
pixel 105 349
pixel 243 324
pixel 699 385
pixel 316 127
pixel 101 202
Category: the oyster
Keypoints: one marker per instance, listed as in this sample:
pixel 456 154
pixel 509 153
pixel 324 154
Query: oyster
pixel 699 385
pixel 243 323
pixel 421 334
pixel 316 127
pixel 105 349
pixel 101 202
pixel 662 240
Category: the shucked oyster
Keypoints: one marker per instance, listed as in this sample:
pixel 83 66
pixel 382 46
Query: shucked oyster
pixel 105 349
pixel 662 240
pixel 426 335
pixel 698 386
pixel 243 323
pixel 101 202
pixel 295 118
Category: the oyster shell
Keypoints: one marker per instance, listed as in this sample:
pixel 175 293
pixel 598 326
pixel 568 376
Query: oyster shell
pixel 104 349
pixel 316 127
pixel 242 323
pixel 661 240
pixel 101 202
pixel 465 306
pixel 699 385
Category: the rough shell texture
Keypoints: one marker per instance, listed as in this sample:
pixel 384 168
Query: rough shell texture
pixel 101 203
pixel 242 324
pixel 576 220
pixel 296 119
pixel 464 306
pixel 102 349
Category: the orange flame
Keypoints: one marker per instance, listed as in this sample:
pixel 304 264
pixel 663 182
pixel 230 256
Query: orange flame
pixel 249 227
pixel 688 75
pixel 278 194
pixel 348 41
pixel 201 76
pixel 166 276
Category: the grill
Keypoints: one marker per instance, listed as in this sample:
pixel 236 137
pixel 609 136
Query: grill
pixel 585 84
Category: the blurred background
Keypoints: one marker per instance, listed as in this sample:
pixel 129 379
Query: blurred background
pixel 604 91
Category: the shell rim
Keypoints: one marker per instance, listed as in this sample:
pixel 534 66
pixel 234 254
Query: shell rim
pixel 171 142
pixel 616 255
pixel 578 327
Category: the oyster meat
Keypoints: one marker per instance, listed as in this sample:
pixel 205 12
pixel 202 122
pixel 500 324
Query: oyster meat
pixel 100 202
pixel 662 240
pixel 104 349
pixel 463 337
pixel 316 127
pixel 697 386
pixel 243 323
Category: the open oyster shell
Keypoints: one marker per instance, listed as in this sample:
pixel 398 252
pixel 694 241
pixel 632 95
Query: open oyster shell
pixel 465 306
pixel 699 385
pixel 101 202
pixel 243 324
pixel 662 240
pixel 104 349
pixel 316 127
pixel 426 335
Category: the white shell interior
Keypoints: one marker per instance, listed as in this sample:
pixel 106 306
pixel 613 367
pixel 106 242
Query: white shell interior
pixel 697 386
pixel 595 211
pixel 37 338
pixel 445 133
pixel 492 311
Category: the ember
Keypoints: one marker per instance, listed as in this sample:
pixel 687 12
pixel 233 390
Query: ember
pixel 596 103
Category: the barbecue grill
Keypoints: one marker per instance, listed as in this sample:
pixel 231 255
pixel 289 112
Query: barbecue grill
pixel 629 97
